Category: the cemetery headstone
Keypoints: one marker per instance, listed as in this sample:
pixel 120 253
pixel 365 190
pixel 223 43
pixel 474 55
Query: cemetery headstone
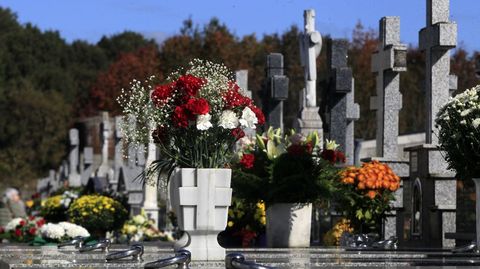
pixel 387 62
pixel 118 157
pixel 310 46
pixel 74 179
pixel 87 165
pixel 241 77
pixel 342 110
pixel 150 203
pixel 104 169
pixel 276 90
pixel 430 195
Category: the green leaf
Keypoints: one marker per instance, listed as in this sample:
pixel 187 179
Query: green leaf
pixel 359 214
pixel 368 215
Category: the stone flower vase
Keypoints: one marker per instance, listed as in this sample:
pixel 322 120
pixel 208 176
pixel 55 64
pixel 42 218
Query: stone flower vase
pixel 288 225
pixel 200 199
pixel 477 206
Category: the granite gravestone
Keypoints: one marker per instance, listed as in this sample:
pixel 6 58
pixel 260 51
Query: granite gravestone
pixel 430 195
pixel 310 46
pixel 105 131
pixel 341 109
pixel 74 179
pixel 276 90
pixel 118 157
pixel 241 77
pixel 387 62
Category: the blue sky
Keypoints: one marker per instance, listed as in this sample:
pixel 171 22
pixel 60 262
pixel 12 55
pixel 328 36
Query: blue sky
pixel 90 19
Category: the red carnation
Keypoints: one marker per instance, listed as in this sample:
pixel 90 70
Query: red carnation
pixel 238 133
pixel 232 98
pixel 180 117
pixel 18 232
pixel 40 223
pixel 341 157
pixel 258 113
pixel 247 160
pixel 161 93
pixel 198 106
pixel 32 231
pixel 31 218
pixel 22 223
pixel 329 155
pixel 190 84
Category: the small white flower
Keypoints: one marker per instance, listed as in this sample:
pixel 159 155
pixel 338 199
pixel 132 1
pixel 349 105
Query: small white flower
pixel 203 122
pixel 228 120
pixel 52 231
pixel 139 219
pixel 11 225
pixel 463 122
pixel 249 119
pixel 465 112
pixel 476 122
pixel 73 230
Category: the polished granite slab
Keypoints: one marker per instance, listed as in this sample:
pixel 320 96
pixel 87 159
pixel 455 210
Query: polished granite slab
pixel 311 258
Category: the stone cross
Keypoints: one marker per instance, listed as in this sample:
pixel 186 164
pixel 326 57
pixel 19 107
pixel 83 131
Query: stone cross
pixel 104 169
pixel 436 39
pixel 387 62
pixel 309 119
pixel 87 165
pixel 343 111
pixel 118 157
pixel 241 77
pixel 150 204
pixel 310 47
pixel 74 179
pixel 276 89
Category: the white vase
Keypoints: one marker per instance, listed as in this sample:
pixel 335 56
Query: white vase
pixel 477 206
pixel 288 225
pixel 200 199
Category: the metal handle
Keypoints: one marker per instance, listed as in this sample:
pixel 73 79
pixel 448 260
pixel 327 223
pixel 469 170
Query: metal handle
pixel 76 241
pixel 472 247
pixel 237 261
pixel 182 258
pixel 103 244
pixel 135 251
pixel 390 243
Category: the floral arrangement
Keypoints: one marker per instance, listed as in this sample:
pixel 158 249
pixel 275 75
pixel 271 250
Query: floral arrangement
pixel 366 192
pixel 22 229
pixel 140 228
pixel 246 221
pixel 97 213
pixel 53 208
pixel 290 167
pixel 332 237
pixel 196 117
pixel 459 132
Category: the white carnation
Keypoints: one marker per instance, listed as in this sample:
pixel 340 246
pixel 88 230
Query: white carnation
pixel 52 231
pixel 203 122
pixel 476 122
pixel 73 230
pixel 249 119
pixel 11 225
pixel 228 120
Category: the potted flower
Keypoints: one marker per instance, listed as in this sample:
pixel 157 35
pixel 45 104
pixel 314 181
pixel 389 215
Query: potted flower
pixel 288 173
pixel 198 115
pixel 365 194
pixel 458 122
pixel 98 214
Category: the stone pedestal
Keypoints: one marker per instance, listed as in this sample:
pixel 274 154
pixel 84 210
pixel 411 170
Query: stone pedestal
pixel 309 120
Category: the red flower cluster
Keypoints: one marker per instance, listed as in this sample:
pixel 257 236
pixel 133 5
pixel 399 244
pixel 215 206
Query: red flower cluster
pixel 333 156
pixel 233 98
pixel 190 85
pixel 161 93
pixel 197 106
pixel 247 160
pixel 298 150
pixel 238 133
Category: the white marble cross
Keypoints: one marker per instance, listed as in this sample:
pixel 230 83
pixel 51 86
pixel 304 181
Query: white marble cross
pixel 310 47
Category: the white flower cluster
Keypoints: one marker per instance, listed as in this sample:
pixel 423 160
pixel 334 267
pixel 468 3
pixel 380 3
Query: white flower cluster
pixel 229 120
pixel 52 231
pixel 11 225
pixel 67 198
pixel 73 230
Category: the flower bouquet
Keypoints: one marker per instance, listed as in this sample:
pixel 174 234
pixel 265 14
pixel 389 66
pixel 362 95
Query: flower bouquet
pixel 289 173
pixel 140 228
pixel 97 214
pixel 366 193
pixel 195 118
pixel 22 229
pixel 459 132
pixel 53 208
